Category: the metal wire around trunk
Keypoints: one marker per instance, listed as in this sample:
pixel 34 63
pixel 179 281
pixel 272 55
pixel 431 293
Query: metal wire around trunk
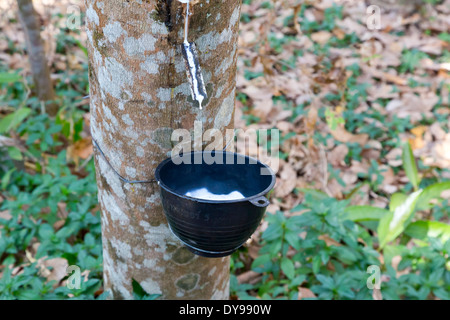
pixel 114 170
pixel 136 181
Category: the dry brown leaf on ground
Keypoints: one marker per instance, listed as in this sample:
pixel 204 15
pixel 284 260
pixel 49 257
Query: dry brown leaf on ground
pixel 349 178
pixel 329 241
pixel 337 156
pixel 388 77
pixel 371 51
pixel 59 224
pixel 390 184
pixel 339 33
pixel 443 73
pixel 383 91
pixel 304 293
pixel 239 121
pixel 82 149
pixel 250 277
pixel 293 87
pixel 287 181
pixel 413 106
pixel 272 208
pixel 285 126
pixel 262 109
pixel 5 215
pixel 445 194
pixel 310 126
pixel 58 266
pixel 361 196
pixel 374 144
pixel 342 135
pixel 376 294
pixel 436 132
pixel 321 37
pixel 395 263
pixel 394 157
pixel 349 25
pixel 10 142
pixel 431 46
pixel 262 98
pixel 281 114
pixel 333 188
pixel 418 141
pixel 371 153
pixel 441 152
pixel 62 210
pixel 302 183
pixel 435 151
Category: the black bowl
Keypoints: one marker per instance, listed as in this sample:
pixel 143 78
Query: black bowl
pixel 214 207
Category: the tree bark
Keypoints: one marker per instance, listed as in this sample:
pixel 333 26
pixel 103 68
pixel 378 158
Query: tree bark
pixel 139 95
pixel 36 55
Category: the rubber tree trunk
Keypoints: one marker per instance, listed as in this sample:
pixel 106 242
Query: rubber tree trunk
pixel 36 55
pixel 139 95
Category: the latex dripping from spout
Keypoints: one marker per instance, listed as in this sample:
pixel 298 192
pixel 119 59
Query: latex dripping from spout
pixel 193 69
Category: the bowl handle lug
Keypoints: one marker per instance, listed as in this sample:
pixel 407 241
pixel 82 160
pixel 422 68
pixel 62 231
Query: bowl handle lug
pixel 261 202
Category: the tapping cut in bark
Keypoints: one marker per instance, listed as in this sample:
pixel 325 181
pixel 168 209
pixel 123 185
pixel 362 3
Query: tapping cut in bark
pixel 194 72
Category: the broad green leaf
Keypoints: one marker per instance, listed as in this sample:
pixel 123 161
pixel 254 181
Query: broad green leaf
pixel 409 165
pixel 390 251
pixel 6 77
pixel 370 224
pixel 138 292
pixel 394 223
pixel 46 231
pixel 13 119
pixel 422 229
pixel 288 268
pixel 397 199
pixel 293 239
pixel 315 194
pixel 260 261
pixel 327 282
pixel 297 281
pixel 346 255
pixel 431 192
pixel 275 247
pixel 6 178
pixel 316 263
pixel 274 231
pixel 420 243
pixel 15 154
pixel 29 295
pixel 363 213
pixel 441 293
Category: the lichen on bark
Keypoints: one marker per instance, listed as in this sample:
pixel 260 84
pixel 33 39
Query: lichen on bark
pixel 139 95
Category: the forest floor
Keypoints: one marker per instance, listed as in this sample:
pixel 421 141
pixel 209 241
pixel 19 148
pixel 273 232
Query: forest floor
pixel 345 98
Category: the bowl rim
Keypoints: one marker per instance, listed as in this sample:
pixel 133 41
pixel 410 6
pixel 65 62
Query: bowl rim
pixel 258 195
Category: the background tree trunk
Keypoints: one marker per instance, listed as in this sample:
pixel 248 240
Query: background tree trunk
pixel 36 54
pixel 139 95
